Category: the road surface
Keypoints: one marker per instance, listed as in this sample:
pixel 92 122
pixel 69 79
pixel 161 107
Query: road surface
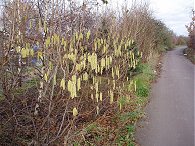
pixel 169 119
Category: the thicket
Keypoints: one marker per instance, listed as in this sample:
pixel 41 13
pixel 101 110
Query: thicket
pixel 191 30
pixel 64 63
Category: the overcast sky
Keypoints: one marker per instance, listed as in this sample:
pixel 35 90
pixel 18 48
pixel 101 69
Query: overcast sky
pixel 174 13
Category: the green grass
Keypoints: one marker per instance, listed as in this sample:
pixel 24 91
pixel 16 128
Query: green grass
pixel 143 79
pixel 142 87
pixel 126 134
pixel 145 75
pixel 131 116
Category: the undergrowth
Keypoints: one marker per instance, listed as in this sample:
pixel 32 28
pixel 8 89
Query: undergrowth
pixel 118 129
pixel 146 74
pixel 190 54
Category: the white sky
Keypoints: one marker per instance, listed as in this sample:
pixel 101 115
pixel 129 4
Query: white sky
pixel 174 13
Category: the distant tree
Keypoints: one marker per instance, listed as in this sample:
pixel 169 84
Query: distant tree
pixel 164 36
pixel 181 40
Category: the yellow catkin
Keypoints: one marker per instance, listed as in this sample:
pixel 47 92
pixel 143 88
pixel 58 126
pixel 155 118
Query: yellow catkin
pixel 30 25
pixel 74 79
pixel 100 96
pixel 120 106
pixel 104 49
pixel 40 55
pixel 74 92
pixel 111 97
pixel 27 52
pixel 27 46
pixel 70 86
pixel 45 77
pixel 85 76
pixel 31 52
pixel 134 64
pixel 23 53
pixel 98 68
pixel 97 110
pixel 62 83
pixel 75 112
pixel 62 41
pixel 107 62
pixel 18 49
pixel 80 36
pixel 108 81
pixel 125 46
pixel 96 87
pixel 103 63
pixel 93 80
pixel 99 43
pixel 76 36
pixel 95 45
pixel 92 96
pixel 88 35
pixel 97 97
pixel 117 72
pixel 130 53
pixel 78 84
pixel 71 46
pixel 119 53
pixel 78 67
pixel 114 84
pixel 54 79
pixel 110 59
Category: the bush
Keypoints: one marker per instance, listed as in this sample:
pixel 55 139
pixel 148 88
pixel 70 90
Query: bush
pixel 65 64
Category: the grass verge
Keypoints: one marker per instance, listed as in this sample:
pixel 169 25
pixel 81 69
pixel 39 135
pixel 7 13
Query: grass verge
pixel 190 54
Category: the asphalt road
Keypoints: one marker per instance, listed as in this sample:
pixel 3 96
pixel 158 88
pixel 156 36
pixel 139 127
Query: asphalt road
pixel 169 119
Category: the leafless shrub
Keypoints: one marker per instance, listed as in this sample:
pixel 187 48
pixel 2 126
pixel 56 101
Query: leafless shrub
pixel 65 64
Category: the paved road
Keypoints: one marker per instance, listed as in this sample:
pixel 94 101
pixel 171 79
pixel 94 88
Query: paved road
pixel 169 117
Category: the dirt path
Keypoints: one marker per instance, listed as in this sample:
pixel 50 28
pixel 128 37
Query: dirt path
pixel 169 117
